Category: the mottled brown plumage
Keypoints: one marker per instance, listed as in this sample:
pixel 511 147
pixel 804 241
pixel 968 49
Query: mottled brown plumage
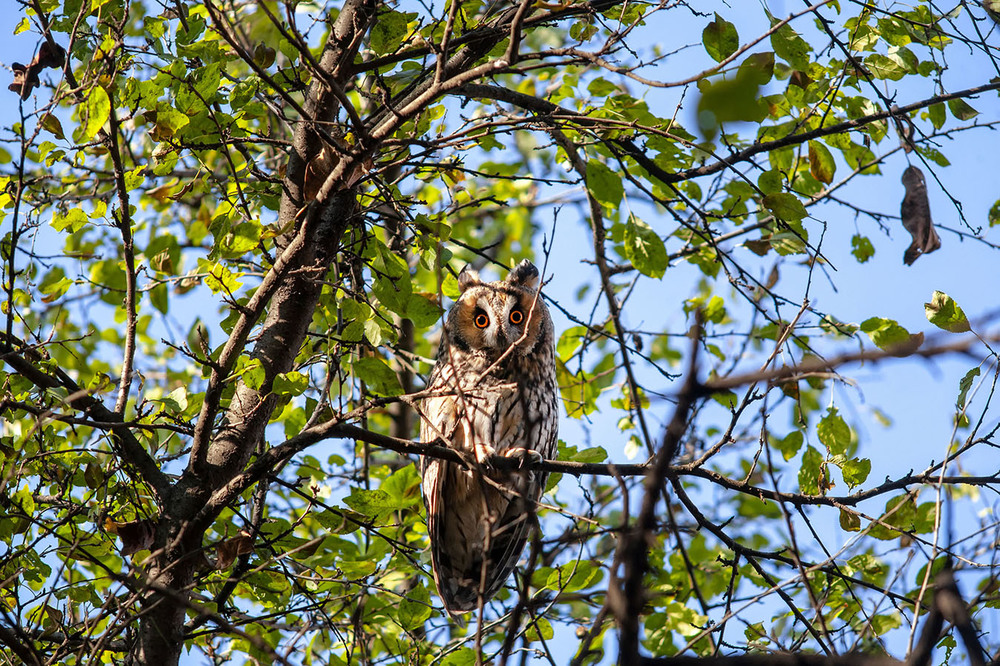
pixel 916 213
pixel 494 393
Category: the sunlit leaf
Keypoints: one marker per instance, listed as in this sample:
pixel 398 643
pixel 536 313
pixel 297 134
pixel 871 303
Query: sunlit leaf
pixel 946 314
pixel 720 39
pixel 644 248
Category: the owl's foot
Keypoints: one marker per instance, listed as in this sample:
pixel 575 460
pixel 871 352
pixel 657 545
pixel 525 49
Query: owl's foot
pixel 525 455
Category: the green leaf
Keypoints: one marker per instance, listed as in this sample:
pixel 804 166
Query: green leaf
pixel 594 454
pixel 167 120
pixel 379 377
pixel 604 184
pixel 720 39
pixel 372 331
pixel 403 486
pixel 945 313
pixel 856 471
pixel 715 310
pixel 850 522
pixel 54 285
pixel 464 656
pixel 961 109
pixel 96 110
pixel 727 399
pixel 937 114
pixel 540 628
pixel 372 503
pixel 135 177
pixel 176 401
pixel 573 576
pixel 834 432
pixel 51 123
pixel 862 248
pixel 821 163
pixel 791 48
pixel 388 31
pixel 790 444
pixel 602 88
pixel 810 471
pixel 644 248
pixel 736 98
pixel 758 67
pixel 883 67
pixel 579 392
pixel 900 512
pixel 218 277
pixel 422 309
pixel 785 206
pixel 771 182
pixel 964 385
pixel 888 335
pixel 415 608
pixel 72 220
pixel 934 155
pixel 570 341
pixel 393 294
pixel 290 383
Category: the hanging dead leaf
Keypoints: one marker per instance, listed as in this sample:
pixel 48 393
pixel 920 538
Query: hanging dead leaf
pixel 317 170
pixel 135 535
pixel 26 76
pixel 25 79
pixel 228 550
pixel 916 213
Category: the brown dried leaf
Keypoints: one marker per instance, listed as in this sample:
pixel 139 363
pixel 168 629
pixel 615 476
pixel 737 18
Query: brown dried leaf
pixel 135 535
pixel 228 550
pixel 25 80
pixel 916 213
pixel 317 170
pixel 26 76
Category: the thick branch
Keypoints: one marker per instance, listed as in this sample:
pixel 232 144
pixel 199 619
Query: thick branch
pixel 634 544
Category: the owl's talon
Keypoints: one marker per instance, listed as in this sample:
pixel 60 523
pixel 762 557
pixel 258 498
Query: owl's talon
pixel 525 455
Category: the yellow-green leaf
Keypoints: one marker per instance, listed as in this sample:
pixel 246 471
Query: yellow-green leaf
pixel 945 313
pixel 821 163
pixel 96 109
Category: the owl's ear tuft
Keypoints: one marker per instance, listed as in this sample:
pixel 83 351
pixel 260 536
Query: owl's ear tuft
pixel 467 277
pixel 524 274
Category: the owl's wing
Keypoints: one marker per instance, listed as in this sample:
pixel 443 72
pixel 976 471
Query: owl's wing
pixel 477 530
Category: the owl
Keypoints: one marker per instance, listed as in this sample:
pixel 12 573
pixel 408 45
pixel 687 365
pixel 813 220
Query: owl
pixel 492 392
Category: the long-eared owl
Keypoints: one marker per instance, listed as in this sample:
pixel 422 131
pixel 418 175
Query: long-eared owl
pixel 492 392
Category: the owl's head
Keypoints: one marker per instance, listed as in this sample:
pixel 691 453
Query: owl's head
pixel 491 316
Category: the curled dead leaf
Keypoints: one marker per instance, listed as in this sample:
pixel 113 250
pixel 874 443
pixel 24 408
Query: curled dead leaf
pixel 26 76
pixel 228 550
pixel 135 535
pixel 916 213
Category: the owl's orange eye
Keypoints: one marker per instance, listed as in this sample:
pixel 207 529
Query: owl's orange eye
pixel 481 320
pixel 516 316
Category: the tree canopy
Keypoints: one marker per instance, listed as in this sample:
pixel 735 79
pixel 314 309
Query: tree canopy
pixel 231 227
